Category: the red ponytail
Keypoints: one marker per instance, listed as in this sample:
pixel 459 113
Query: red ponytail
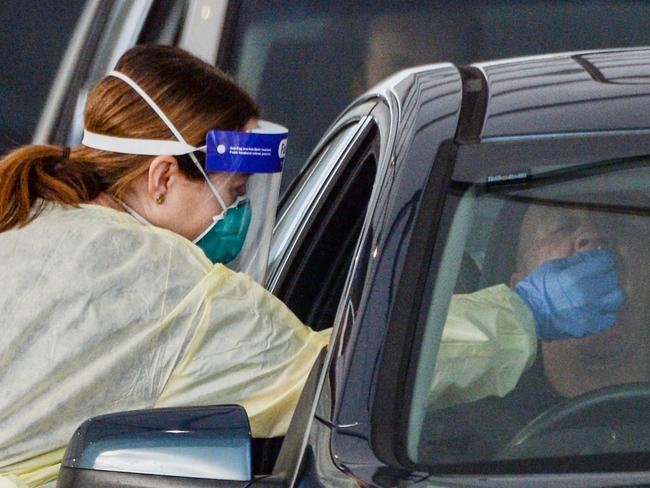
pixel 42 172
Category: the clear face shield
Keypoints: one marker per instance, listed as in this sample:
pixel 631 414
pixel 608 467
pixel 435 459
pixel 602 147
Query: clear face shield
pixel 243 170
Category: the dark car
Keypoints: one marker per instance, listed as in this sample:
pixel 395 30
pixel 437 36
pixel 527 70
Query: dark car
pixel 439 187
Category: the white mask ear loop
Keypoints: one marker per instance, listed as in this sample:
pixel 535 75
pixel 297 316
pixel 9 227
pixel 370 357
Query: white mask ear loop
pixel 170 126
pixel 215 191
pixel 132 212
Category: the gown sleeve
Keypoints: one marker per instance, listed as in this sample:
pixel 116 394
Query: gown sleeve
pixel 247 348
pixel 487 342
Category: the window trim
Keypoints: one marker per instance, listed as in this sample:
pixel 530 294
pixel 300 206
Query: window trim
pixel 399 354
pixel 77 57
pixel 276 275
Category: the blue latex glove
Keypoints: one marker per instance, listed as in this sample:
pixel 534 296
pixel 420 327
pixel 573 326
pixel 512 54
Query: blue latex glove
pixel 575 296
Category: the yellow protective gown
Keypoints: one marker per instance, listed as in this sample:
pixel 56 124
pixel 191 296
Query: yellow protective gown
pixel 100 314
pixel 488 341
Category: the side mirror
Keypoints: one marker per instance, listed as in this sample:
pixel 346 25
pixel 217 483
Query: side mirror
pixel 185 443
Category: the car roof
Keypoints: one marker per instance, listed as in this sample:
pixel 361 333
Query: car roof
pixel 567 93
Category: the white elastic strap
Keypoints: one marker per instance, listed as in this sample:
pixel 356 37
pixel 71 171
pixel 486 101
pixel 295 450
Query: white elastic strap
pixel 266 127
pixel 151 103
pixel 171 127
pixel 133 213
pixel 217 218
pixel 216 193
pixel 146 147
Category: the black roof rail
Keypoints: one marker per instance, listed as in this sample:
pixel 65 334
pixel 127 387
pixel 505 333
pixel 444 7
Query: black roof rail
pixel 473 106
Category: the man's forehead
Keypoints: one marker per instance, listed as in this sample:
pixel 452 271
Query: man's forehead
pixel 540 215
pixel 539 220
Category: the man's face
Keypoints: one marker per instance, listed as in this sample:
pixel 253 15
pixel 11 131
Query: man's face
pixel 556 232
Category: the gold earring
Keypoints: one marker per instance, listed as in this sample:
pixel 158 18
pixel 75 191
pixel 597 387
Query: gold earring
pixel 160 199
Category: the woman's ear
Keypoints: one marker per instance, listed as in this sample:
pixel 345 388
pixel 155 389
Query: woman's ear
pixel 162 171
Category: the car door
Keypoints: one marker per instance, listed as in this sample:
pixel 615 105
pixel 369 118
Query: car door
pixel 315 239
pixel 572 442
pixel 401 168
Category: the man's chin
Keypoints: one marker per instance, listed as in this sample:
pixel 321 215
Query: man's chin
pixel 604 349
pixel 577 366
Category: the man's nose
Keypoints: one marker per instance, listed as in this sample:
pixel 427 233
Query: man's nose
pixel 590 237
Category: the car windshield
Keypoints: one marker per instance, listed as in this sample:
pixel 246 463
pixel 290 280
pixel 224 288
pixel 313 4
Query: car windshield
pixel 537 338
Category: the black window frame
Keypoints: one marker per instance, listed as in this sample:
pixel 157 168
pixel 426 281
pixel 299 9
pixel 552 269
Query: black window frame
pixel 364 146
pixel 157 22
pixel 356 119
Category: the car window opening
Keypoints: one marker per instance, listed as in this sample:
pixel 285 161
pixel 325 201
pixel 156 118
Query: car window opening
pixel 321 265
pixel 327 252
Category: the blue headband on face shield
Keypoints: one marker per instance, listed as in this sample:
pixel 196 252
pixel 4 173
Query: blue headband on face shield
pixel 261 150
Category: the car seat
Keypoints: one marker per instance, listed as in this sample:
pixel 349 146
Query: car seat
pixel 500 260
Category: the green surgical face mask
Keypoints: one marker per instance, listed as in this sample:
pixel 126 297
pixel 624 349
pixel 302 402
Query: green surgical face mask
pixel 224 239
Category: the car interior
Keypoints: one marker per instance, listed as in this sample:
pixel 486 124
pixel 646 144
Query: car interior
pixel 610 420
pixel 327 249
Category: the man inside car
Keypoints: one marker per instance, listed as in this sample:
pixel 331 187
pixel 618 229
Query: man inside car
pixel 617 355
pixel 552 238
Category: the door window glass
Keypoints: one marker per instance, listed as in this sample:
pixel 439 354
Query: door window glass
pixel 300 203
pixel 538 331
pixel 314 274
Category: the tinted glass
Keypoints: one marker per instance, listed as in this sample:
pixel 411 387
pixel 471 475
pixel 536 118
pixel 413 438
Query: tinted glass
pixel 538 331
pixel 305 196
pixel 305 61
pixel 33 37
